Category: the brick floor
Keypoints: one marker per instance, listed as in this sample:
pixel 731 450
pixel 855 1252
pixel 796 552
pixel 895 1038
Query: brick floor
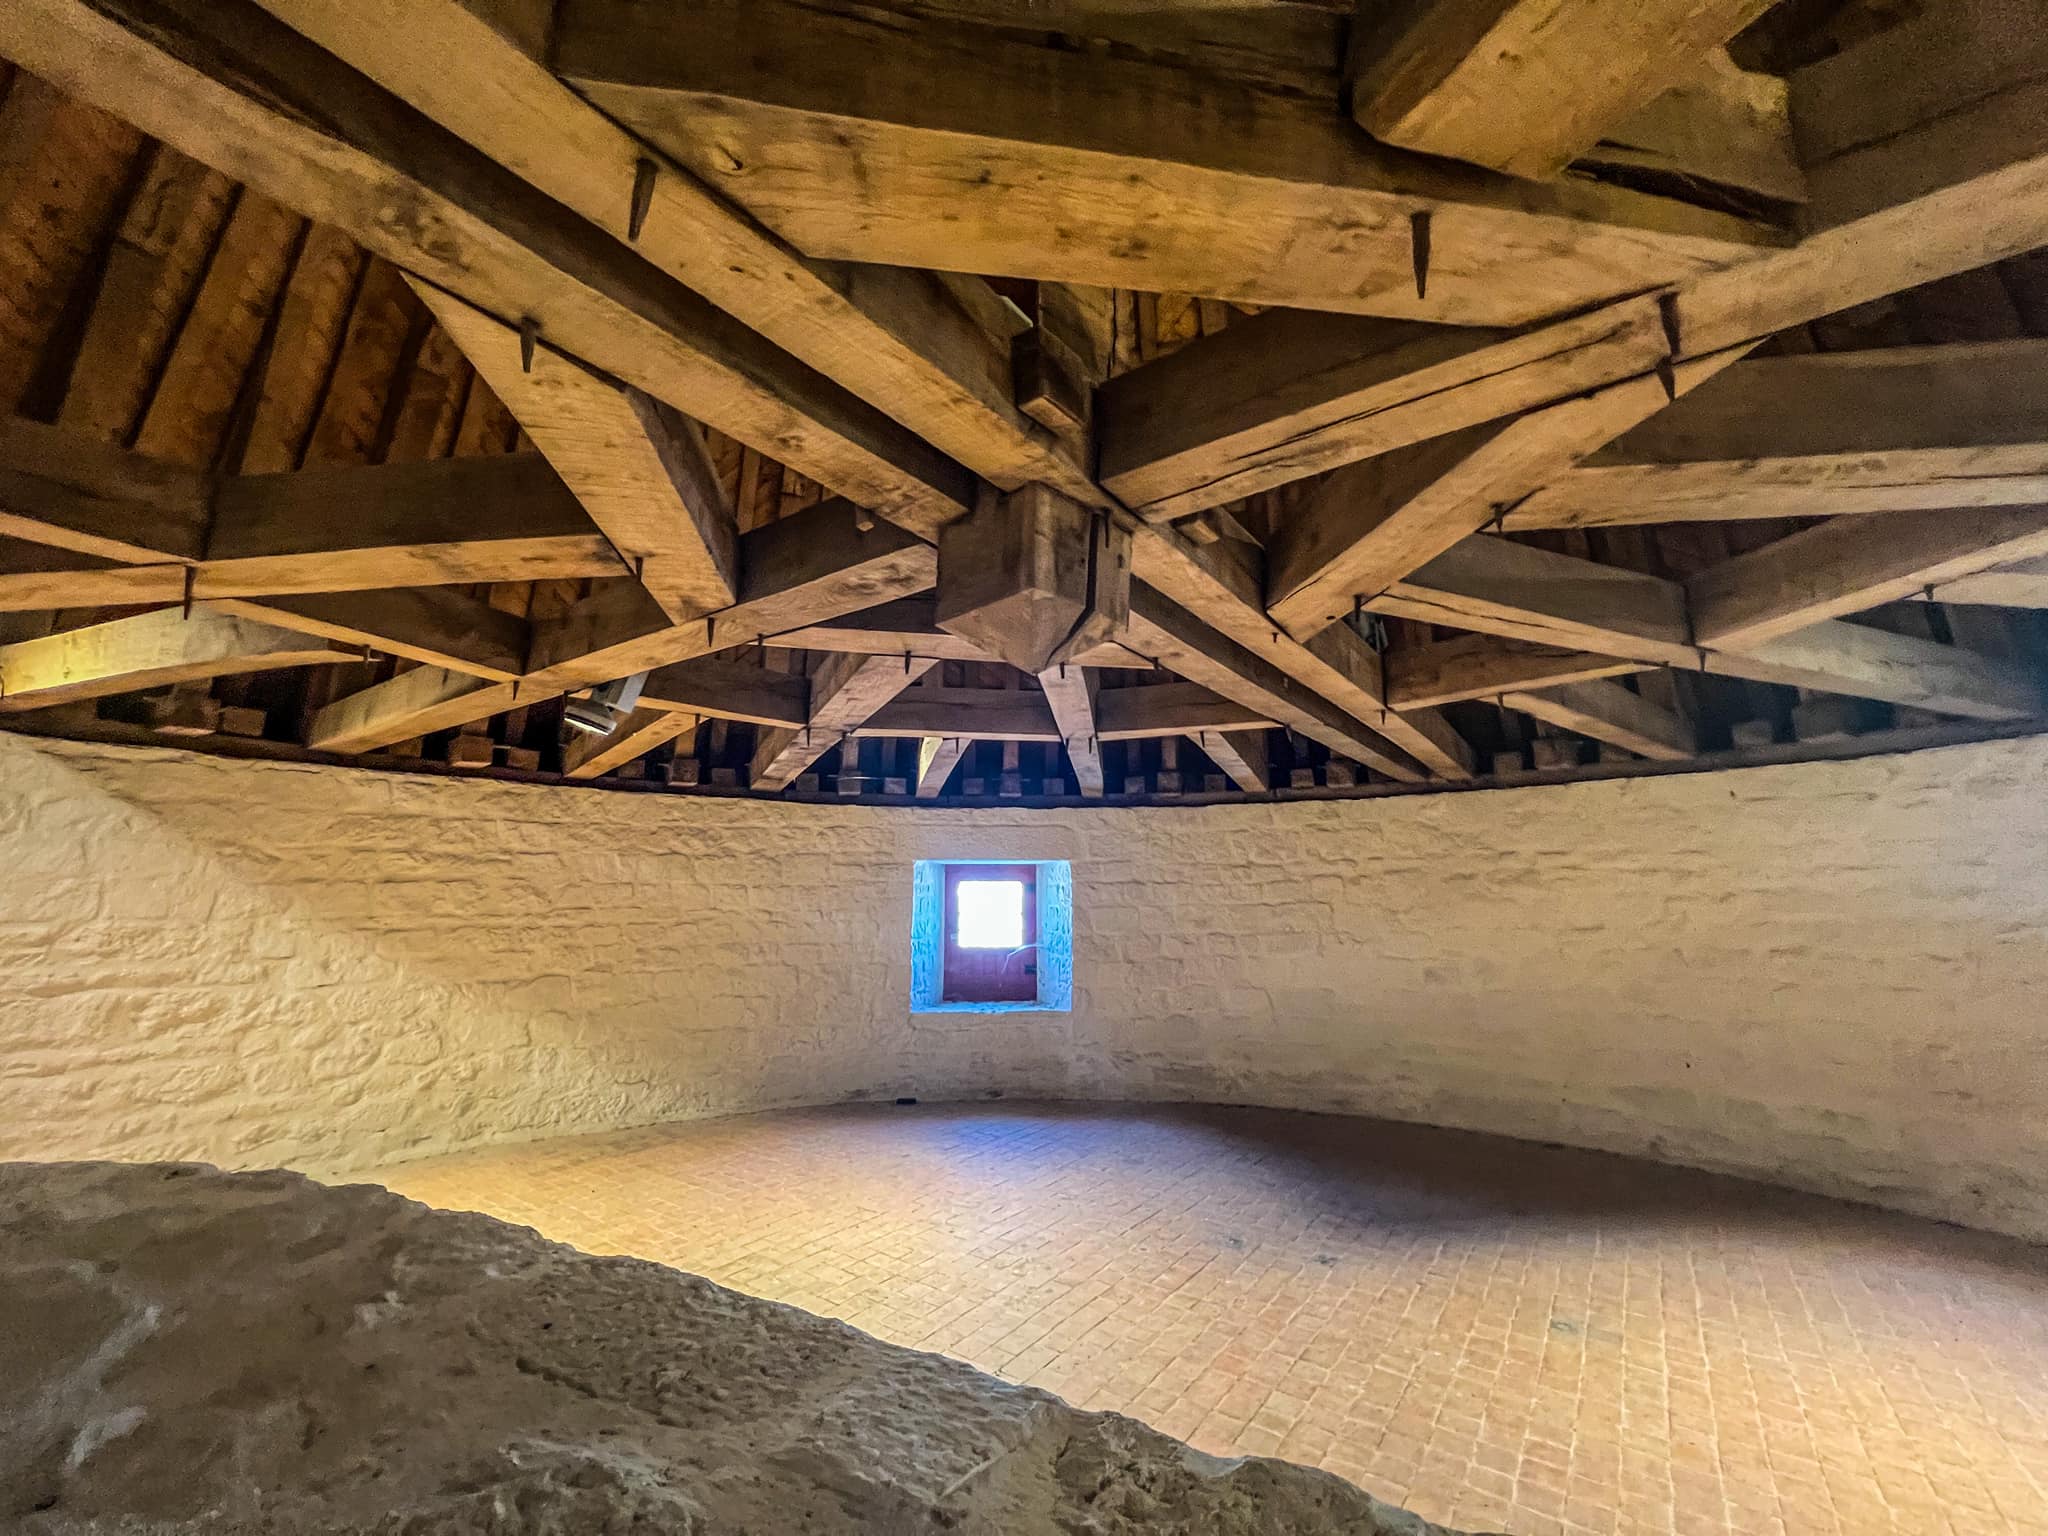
pixel 1496 1335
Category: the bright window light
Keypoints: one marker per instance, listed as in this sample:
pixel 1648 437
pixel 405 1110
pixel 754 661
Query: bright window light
pixel 991 914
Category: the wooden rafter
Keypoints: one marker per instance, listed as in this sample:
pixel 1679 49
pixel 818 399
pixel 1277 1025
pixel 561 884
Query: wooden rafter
pixel 844 693
pixel 148 651
pixel 1070 693
pixel 591 756
pixel 1609 712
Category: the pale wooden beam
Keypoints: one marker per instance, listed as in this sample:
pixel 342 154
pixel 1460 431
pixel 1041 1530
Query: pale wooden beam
pixel 907 626
pixel 425 523
pixel 1070 693
pixel 1524 86
pixel 725 688
pixel 1911 182
pixel 1170 709
pixel 414 703
pixel 433 625
pixel 35 577
pixel 70 492
pixel 1606 711
pixel 1244 755
pixel 1369 524
pixel 1221 589
pixel 588 756
pixel 937 756
pixel 1720 124
pixel 845 691
pixel 332 145
pixel 1846 565
pixel 1825 434
pixel 1484 666
pixel 1502 587
pixel 148 650
pixel 908 141
pixel 640 470
pixel 2023 584
pixel 897 338
pixel 1836 656
pixel 1181 643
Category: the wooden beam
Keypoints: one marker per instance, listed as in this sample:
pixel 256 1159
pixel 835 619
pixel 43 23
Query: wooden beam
pixel 433 625
pixel 426 523
pixel 1070 693
pixel 149 650
pixel 1606 711
pixel 331 144
pixel 845 691
pixel 35 577
pixel 896 338
pixel 1848 564
pixel 904 627
pixel 1170 709
pixel 1952 175
pixel 1825 434
pixel 1220 589
pixel 1183 644
pixel 1524 86
pixel 725 688
pixel 591 757
pixel 912 141
pixel 1369 524
pixel 640 470
pixel 415 703
pixel 937 756
pixel 1024 575
pixel 1721 125
pixel 1244 755
pixel 2023 584
pixel 1502 587
pixel 71 492
pixel 1484 667
pixel 1836 656
pixel 969 714
pixel 806 569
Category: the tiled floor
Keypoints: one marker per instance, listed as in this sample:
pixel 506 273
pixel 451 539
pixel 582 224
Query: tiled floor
pixel 1496 1335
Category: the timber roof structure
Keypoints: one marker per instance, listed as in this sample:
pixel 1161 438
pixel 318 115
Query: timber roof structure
pixel 963 400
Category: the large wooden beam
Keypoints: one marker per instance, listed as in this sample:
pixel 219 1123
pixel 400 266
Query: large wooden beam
pixel 1170 709
pixel 1369 524
pixel 433 625
pixel 331 144
pixel 1836 656
pixel 1928 152
pixel 845 691
pixel 966 714
pixel 1182 643
pixel 71 492
pixel 1848 564
pixel 1070 692
pixel 1524 86
pixel 912 141
pixel 2023 584
pixel 1484 667
pixel 937 756
pixel 1606 711
pixel 35 577
pixel 725 688
pixel 1244 755
pixel 1825 434
pixel 418 702
pixel 898 339
pixel 640 470
pixel 149 650
pixel 592 756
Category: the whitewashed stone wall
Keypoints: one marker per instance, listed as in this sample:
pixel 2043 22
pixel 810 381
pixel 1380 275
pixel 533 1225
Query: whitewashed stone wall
pixel 1833 975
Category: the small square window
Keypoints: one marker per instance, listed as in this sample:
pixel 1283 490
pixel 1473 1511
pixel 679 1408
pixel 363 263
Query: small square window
pixel 990 914
pixel 991 937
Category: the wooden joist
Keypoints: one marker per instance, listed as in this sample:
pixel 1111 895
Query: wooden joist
pixel 1849 564
pixel 1825 434
pixel 433 625
pixel 639 469
pixel 726 688
pixel 1244 755
pixel 1836 656
pixel 1524 86
pixel 897 338
pixel 414 703
pixel 911 141
pixel 2023 584
pixel 330 143
pixel 149 650
pixel 1170 709
pixel 937 756
pixel 845 691
pixel 1609 712
pixel 587 756
pixel 1070 694
pixel 1481 666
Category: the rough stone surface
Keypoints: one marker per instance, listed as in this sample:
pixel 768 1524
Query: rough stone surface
pixel 185 1349
pixel 1827 975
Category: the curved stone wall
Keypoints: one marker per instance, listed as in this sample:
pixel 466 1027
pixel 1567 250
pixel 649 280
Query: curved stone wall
pixel 1826 975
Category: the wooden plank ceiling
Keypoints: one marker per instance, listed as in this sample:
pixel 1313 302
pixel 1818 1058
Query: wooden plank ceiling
pixel 1315 399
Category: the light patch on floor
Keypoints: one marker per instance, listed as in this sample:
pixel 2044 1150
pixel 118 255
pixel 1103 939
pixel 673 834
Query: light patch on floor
pixel 1494 1334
